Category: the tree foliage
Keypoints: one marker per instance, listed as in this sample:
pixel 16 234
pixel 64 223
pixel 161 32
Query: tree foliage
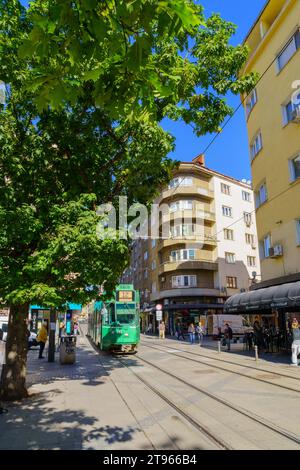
pixel 88 83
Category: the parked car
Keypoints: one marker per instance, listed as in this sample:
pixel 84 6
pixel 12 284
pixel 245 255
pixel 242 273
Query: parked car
pixel 3 330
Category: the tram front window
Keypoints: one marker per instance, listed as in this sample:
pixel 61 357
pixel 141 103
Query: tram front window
pixel 126 318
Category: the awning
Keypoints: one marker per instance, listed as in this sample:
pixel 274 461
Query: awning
pixel 281 296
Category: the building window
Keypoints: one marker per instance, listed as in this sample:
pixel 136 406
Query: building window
pixel 225 189
pixel 153 242
pixel 295 168
pixel 251 102
pixel 228 234
pixel 251 261
pixel 181 181
pixel 153 265
pixel 287 112
pixel 153 287
pixel 256 145
pixel 146 274
pixel 266 245
pixel 288 51
pixel 248 218
pixel 182 255
pixel 261 195
pixel 184 281
pixel 184 230
pixel 298 231
pixel 230 258
pixel 181 205
pixel 231 282
pixel 249 239
pixel 246 196
pixel 227 211
pixel 146 255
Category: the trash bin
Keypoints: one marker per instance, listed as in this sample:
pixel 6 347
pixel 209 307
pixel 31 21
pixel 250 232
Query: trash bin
pixel 67 351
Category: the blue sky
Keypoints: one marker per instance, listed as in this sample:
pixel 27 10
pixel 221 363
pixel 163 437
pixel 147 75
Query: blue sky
pixel 229 153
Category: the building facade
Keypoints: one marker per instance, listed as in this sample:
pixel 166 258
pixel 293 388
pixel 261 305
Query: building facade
pixel 273 120
pixel 206 248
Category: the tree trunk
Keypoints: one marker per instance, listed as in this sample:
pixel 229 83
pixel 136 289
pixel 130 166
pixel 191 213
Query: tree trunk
pixel 13 377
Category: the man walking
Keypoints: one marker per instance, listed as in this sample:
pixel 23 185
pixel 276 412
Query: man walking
pixel 228 336
pixel 42 339
pixel 200 332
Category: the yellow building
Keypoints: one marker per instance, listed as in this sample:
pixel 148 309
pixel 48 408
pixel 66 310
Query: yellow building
pixel 273 121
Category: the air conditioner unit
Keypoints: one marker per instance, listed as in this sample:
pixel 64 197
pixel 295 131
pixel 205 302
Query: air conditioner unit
pixel 296 115
pixel 276 251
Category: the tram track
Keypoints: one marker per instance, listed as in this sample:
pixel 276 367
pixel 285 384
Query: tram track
pixel 242 411
pixel 242 374
pixel 195 423
pixel 220 443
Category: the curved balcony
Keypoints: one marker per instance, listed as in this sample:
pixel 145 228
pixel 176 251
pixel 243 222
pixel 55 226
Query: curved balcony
pixel 193 190
pixel 188 214
pixel 202 240
pixel 203 264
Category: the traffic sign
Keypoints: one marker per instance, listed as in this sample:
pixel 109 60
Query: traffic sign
pixel 158 315
pixel 159 307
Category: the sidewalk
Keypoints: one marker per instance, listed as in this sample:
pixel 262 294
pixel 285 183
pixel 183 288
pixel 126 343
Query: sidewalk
pixel 237 349
pixel 65 410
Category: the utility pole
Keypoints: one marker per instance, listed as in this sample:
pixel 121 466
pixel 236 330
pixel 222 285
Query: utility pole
pixel 51 350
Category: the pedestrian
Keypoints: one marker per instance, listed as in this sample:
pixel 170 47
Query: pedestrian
pixel 200 334
pixel 162 330
pixel 179 331
pixel 76 329
pixel 228 336
pixel 42 339
pixel 61 329
pixel 258 335
pixel 191 332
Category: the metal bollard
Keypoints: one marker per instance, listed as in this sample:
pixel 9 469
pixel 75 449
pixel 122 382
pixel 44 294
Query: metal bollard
pixel 256 353
pixel 219 347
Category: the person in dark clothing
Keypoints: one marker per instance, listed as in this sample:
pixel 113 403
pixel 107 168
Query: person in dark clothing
pixel 258 335
pixel 228 336
pixel 179 331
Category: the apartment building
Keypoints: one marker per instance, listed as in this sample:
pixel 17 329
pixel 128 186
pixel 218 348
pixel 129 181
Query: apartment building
pixel 207 247
pixel 273 122
pixel 273 119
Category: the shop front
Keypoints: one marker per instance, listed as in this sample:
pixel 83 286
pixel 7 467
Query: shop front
pixel 194 313
pixel 271 311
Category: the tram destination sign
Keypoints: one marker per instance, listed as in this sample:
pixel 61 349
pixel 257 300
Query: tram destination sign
pixel 125 296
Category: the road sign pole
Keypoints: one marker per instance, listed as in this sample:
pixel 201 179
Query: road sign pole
pixel 51 349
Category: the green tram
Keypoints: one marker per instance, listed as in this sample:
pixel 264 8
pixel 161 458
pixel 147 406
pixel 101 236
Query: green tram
pixel 114 325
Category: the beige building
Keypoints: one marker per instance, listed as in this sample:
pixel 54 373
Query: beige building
pixel 207 247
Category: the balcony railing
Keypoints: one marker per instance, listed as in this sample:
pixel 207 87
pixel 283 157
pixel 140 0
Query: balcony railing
pixel 188 264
